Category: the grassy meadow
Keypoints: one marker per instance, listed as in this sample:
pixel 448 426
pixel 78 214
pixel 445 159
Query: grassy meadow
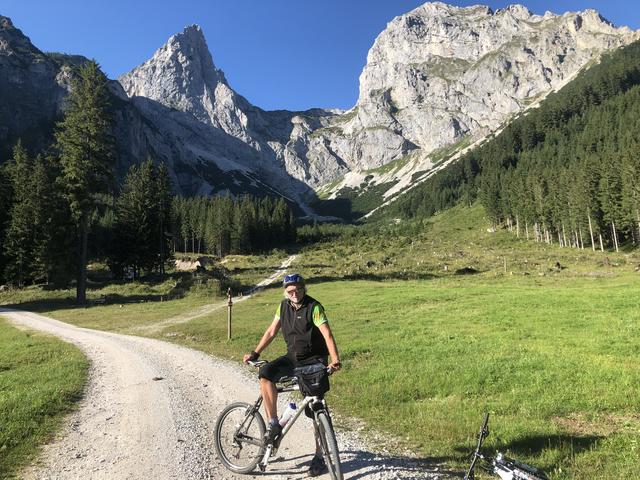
pixel 40 377
pixel 438 322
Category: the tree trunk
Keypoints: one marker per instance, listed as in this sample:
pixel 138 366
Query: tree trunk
pixel 81 287
pixel 526 230
pixel 564 235
pixel 581 240
pixel 601 246
pixel 518 226
pixel 615 236
pixel 593 244
pixel 161 248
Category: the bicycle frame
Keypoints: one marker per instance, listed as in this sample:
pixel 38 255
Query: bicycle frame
pixel 505 468
pixel 271 449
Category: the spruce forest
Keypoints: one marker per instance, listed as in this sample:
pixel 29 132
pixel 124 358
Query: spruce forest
pixel 566 172
pixel 64 206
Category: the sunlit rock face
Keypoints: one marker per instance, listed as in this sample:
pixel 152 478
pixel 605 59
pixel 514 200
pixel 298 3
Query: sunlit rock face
pixel 441 72
pixel 435 75
pixel 181 76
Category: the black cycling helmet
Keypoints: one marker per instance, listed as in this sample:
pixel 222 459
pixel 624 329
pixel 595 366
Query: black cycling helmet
pixel 293 279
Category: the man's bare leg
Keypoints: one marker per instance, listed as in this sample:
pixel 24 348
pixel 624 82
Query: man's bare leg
pixel 270 398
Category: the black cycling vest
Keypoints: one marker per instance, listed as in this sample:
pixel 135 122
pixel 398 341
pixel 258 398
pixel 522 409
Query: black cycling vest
pixel 303 338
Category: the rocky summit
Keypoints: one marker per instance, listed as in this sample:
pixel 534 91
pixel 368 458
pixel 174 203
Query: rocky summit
pixel 437 79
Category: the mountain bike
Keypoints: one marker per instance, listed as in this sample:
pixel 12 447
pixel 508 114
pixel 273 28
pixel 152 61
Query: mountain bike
pixel 505 468
pixel 240 429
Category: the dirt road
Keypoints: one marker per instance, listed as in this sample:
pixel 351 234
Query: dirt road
pixel 149 409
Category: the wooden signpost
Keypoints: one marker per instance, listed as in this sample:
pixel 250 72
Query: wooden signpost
pixel 229 305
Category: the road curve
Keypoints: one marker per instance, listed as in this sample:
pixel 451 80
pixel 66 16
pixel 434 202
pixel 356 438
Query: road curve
pixel 148 413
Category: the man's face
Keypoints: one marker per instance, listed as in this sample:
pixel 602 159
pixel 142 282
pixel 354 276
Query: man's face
pixel 294 292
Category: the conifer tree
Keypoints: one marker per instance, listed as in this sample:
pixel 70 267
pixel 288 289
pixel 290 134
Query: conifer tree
pixel 6 200
pixel 20 231
pixel 163 190
pixel 85 144
pixel 137 246
pixel 53 244
pixel 36 246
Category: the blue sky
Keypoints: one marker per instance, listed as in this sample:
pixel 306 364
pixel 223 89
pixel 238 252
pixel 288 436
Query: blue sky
pixel 279 54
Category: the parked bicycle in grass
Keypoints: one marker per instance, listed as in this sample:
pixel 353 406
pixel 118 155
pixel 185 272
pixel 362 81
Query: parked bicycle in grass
pixel 242 440
pixel 504 467
pixel 310 344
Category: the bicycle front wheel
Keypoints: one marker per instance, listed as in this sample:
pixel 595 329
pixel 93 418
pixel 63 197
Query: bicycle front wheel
pixel 329 445
pixel 239 436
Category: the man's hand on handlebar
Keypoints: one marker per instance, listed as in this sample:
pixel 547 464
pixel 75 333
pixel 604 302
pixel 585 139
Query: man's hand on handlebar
pixel 334 367
pixel 251 357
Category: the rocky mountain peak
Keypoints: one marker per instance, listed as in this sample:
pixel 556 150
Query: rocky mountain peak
pixel 5 22
pixel 181 75
pixel 13 40
pixel 466 69
pixel 517 11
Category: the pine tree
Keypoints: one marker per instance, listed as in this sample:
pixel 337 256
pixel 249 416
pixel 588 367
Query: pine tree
pixel 137 211
pixel 20 232
pixel 6 200
pixel 163 192
pixel 53 229
pixel 85 145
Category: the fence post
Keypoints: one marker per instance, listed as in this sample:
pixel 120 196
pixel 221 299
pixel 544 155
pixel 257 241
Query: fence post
pixel 229 304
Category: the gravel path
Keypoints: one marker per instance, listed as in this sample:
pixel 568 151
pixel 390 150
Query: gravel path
pixel 149 409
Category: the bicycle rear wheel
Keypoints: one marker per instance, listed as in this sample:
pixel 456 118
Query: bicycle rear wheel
pixel 329 445
pixel 239 435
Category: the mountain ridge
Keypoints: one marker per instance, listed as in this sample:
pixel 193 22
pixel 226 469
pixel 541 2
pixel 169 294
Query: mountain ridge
pixel 437 79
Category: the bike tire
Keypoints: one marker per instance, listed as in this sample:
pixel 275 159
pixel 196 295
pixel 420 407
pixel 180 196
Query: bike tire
pixel 329 445
pixel 239 456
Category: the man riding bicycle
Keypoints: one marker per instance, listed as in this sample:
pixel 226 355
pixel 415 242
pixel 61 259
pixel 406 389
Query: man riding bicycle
pixel 309 340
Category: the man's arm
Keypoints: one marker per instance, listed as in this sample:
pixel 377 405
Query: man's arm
pixel 268 336
pixel 331 346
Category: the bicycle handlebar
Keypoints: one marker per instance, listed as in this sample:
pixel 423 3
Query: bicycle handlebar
pixel 259 363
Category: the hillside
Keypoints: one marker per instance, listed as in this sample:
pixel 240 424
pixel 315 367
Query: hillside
pixel 567 171
pixel 418 100
pixel 437 321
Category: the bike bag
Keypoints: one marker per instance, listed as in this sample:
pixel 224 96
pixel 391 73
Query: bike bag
pixel 313 379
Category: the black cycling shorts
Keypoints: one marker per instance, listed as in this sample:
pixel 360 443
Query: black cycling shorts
pixel 284 367
pixel 276 369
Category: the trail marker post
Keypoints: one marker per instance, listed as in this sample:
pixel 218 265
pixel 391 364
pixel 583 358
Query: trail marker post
pixel 229 305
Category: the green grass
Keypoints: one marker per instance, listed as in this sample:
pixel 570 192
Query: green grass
pixel 556 364
pixel 550 350
pixel 40 379
pixel 394 165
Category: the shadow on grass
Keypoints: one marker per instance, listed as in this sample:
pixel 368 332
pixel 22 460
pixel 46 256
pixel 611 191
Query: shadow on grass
pixel 374 277
pixel 48 305
pixel 536 444
pixel 183 283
